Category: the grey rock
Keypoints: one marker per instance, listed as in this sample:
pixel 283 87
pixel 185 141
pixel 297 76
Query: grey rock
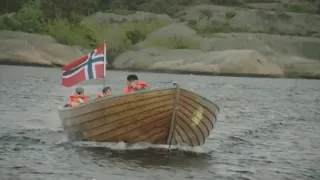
pixel 19 47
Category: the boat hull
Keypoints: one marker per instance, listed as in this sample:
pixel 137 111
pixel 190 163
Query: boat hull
pixel 164 116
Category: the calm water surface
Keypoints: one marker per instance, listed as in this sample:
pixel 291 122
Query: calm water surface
pixel 267 129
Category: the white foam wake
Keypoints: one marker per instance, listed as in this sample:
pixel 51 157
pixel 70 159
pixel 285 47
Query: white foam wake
pixel 121 146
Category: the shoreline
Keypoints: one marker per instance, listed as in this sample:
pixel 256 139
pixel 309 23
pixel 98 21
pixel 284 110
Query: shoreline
pixel 161 71
pixel 288 76
pixel 10 63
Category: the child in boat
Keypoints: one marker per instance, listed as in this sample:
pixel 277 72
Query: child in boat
pixel 106 91
pixel 77 98
pixel 133 84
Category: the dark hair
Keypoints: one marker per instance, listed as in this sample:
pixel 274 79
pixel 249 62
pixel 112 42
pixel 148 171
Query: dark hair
pixel 132 77
pixel 79 90
pixel 105 89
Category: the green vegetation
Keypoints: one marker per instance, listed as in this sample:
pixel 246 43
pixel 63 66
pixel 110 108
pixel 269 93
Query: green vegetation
pixel 175 42
pixel 207 27
pixel 296 8
pixel 42 17
pixel 69 23
pixel 206 12
pixel 302 7
pixel 121 37
pixel 230 14
pixel 66 21
pixel 120 11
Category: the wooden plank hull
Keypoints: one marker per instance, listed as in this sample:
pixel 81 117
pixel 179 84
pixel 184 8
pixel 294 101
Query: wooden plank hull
pixel 164 116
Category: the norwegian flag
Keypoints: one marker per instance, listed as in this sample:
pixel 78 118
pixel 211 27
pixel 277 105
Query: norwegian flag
pixel 90 66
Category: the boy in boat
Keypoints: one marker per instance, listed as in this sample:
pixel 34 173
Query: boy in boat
pixel 106 91
pixel 77 98
pixel 133 84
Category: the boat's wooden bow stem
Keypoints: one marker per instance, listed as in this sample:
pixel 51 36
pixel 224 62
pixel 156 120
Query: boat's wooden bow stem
pixel 173 118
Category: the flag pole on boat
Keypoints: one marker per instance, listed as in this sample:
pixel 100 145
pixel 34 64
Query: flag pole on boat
pixel 104 63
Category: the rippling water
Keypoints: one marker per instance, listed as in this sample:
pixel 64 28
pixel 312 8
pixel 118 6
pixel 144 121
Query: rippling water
pixel 267 129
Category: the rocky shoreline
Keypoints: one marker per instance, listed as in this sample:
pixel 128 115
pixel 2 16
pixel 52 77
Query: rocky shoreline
pixel 288 76
pixel 183 72
pixel 10 63
pixel 37 50
pixel 202 40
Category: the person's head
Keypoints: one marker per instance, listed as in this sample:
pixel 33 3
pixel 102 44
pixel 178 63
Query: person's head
pixel 80 91
pixel 131 78
pixel 107 90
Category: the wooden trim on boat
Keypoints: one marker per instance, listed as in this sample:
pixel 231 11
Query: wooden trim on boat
pixel 96 100
pixel 174 112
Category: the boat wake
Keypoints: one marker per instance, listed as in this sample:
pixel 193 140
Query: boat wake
pixel 121 146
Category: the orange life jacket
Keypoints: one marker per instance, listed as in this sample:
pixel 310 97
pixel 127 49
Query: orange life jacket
pixel 140 84
pixel 100 95
pixel 74 99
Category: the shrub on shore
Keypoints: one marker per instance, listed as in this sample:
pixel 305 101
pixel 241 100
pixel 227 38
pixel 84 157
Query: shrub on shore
pixel 65 21
pixel 74 29
pixel 122 36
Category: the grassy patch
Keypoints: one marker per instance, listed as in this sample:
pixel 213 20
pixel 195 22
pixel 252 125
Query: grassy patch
pixel 71 34
pixel 296 8
pixel 31 19
pixel 227 2
pixel 206 12
pixel 207 27
pixel 125 32
pixel 272 29
pixel 175 42
pixel 230 14
pixel 121 37
pixel 284 16
pixel 120 11
pixel 89 33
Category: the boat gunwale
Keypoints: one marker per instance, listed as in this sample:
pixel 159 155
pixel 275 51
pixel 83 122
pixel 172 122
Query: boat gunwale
pixel 93 101
pixel 203 98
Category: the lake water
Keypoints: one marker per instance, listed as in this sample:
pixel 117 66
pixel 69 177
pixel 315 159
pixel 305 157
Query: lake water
pixel 267 129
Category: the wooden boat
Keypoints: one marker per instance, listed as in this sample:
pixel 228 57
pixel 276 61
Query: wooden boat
pixel 173 116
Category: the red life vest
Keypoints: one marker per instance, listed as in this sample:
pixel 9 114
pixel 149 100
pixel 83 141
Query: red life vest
pixel 74 99
pixel 140 84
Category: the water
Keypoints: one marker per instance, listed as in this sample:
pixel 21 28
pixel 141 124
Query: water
pixel 267 129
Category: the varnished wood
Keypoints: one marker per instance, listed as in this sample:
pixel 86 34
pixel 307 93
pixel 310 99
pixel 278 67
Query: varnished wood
pixel 173 118
pixel 162 116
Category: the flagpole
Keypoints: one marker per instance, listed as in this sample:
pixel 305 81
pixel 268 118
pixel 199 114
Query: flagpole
pixel 105 63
